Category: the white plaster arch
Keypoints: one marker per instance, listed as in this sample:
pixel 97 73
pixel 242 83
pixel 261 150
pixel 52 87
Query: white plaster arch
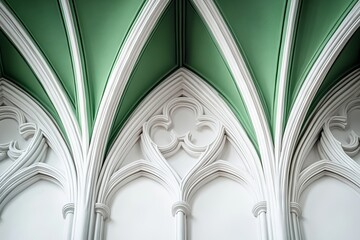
pixel 122 68
pixel 334 158
pixel 346 89
pixel 46 133
pixel 27 47
pixel 140 168
pixel 215 170
pixel 244 82
pixel 78 63
pixel 30 163
pixel 28 176
pixel 182 89
pixel 326 168
pixel 311 85
pixel 181 83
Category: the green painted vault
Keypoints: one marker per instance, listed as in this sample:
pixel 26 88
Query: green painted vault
pixel 180 39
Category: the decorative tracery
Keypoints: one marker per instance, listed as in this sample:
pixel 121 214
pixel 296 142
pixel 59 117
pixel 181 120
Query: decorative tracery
pixel 182 139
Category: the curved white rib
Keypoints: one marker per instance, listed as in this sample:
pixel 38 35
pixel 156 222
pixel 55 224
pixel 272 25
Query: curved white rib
pixel 283 76
pixel 121 71
pixel 13 95
pixel 26 45
pixel 78 71
pixel 241 75
pixel 312 83
pixel 117 81
pixel 252 101
pixel 185 81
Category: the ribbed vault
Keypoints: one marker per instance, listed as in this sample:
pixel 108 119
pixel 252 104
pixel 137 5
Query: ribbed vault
pixel 91 63
pixel 180 38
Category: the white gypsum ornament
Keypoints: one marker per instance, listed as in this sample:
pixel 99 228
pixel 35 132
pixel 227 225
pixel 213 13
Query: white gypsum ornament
pixel 346 89
pixel 78 64
pixel 22 158
pixel 44 72
pixel 182 90
pixel 47 134
pixel 317 134
pixel 334 150
pixel 286 59
pixel 29 165
pixel 120 73
pixel 311 85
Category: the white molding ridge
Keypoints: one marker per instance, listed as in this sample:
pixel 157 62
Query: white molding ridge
pixel 182 91
pixel 295 208
pixel 326 168
pixel 165 120
pixel 181 83
pixel 140 168
pixel 330 112
pixel 309 88
pixel 123 66
pixel 46 133
pixel 243 79
pixel 78 71
pixel 32 54
pixel 313 81
pixel 346 89
pixel 33 153
pixel 252 101
pixel 206 153
pixel 260 207
pixel 219 169
pixel 334 150
pixel 103 209
pixel 121 71
pixel 25 177
pixel 181 206
pixel 283 75
pixel 68 209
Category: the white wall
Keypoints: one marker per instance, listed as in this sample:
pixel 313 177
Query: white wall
pixel 31 173
pixel 34 214
pixel 141 210
pixel 222 209
pixel 175 148
pixel 330 211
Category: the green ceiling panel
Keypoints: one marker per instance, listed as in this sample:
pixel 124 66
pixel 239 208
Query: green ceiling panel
pixel 203 57
pixel 348 59
pixel 318 19
pixel 257 28
pixel 103 27
pixel 181 39
pixel 157 60
pixel 1 65
pixel 18 71
pixel 43 20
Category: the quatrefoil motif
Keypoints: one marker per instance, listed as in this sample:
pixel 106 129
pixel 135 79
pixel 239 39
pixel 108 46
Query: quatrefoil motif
pixel 182 125
pixel 345 128
pixel 26 130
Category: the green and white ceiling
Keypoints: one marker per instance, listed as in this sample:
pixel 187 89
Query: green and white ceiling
pixel 81 44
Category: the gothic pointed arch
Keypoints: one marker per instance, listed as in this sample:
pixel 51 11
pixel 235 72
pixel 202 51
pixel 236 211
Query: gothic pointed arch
pixel 327 157
pixel 182 136
pixel 33 154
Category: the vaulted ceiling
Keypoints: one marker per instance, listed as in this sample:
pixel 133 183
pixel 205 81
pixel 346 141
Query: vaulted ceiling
pixel 275 45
